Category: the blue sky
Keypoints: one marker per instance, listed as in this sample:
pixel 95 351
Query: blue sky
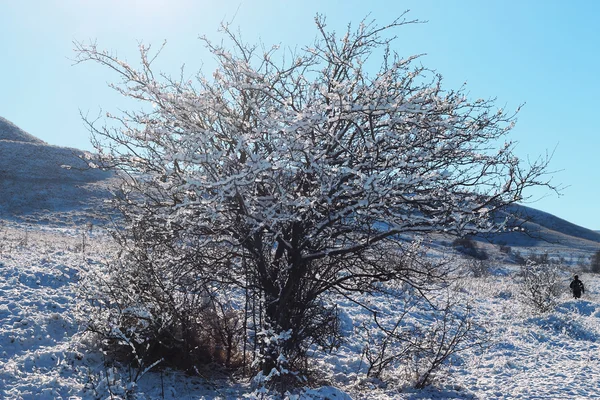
pixel 542 53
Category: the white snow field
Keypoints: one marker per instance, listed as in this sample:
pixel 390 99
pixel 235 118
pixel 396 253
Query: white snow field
pixel 44 354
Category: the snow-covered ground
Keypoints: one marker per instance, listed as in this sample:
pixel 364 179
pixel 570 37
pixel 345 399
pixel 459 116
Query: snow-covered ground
pixel 43 354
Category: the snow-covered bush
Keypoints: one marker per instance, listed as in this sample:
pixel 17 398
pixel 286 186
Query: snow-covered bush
pixel 595 262
pixel 152 310
pixel 540 286
pixel 418 345
pixel 468 246
pixel 287 178
pixel 478 268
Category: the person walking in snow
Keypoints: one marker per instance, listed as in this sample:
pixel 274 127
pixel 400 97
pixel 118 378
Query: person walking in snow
pixel 577 287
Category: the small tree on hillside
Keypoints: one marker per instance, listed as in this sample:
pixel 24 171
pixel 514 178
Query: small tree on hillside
pixel 291 176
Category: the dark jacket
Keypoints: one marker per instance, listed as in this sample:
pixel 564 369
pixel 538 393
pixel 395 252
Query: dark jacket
pixel 577 287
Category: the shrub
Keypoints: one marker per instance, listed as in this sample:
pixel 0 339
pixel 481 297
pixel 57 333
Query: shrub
pixel 595 262
pixel 540 258
pixel 478 268
pixel 418 350
pixel 540 286
pixel 152 313
pixel 468 246
pixel 518 258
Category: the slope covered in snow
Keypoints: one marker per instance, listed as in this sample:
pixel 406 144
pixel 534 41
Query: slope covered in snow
pixel 544 230
pixel 39 178
pixel 9 131
pixel 44 354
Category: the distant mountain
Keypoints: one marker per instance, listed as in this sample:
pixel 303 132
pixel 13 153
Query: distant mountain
pixel 552 223
pixel 543 230
pixel 37 178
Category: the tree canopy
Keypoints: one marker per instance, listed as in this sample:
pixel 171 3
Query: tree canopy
pixel 294 174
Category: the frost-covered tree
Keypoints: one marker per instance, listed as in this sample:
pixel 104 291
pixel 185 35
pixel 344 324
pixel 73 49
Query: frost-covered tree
pixel 297 174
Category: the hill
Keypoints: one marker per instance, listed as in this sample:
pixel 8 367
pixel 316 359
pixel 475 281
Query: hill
pixel 37 178
pixel 543 230
pixel 9 131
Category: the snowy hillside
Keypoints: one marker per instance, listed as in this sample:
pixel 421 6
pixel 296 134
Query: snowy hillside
pixel 44 355
pixel 38 178
pixel 544 230
pixel 9 131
